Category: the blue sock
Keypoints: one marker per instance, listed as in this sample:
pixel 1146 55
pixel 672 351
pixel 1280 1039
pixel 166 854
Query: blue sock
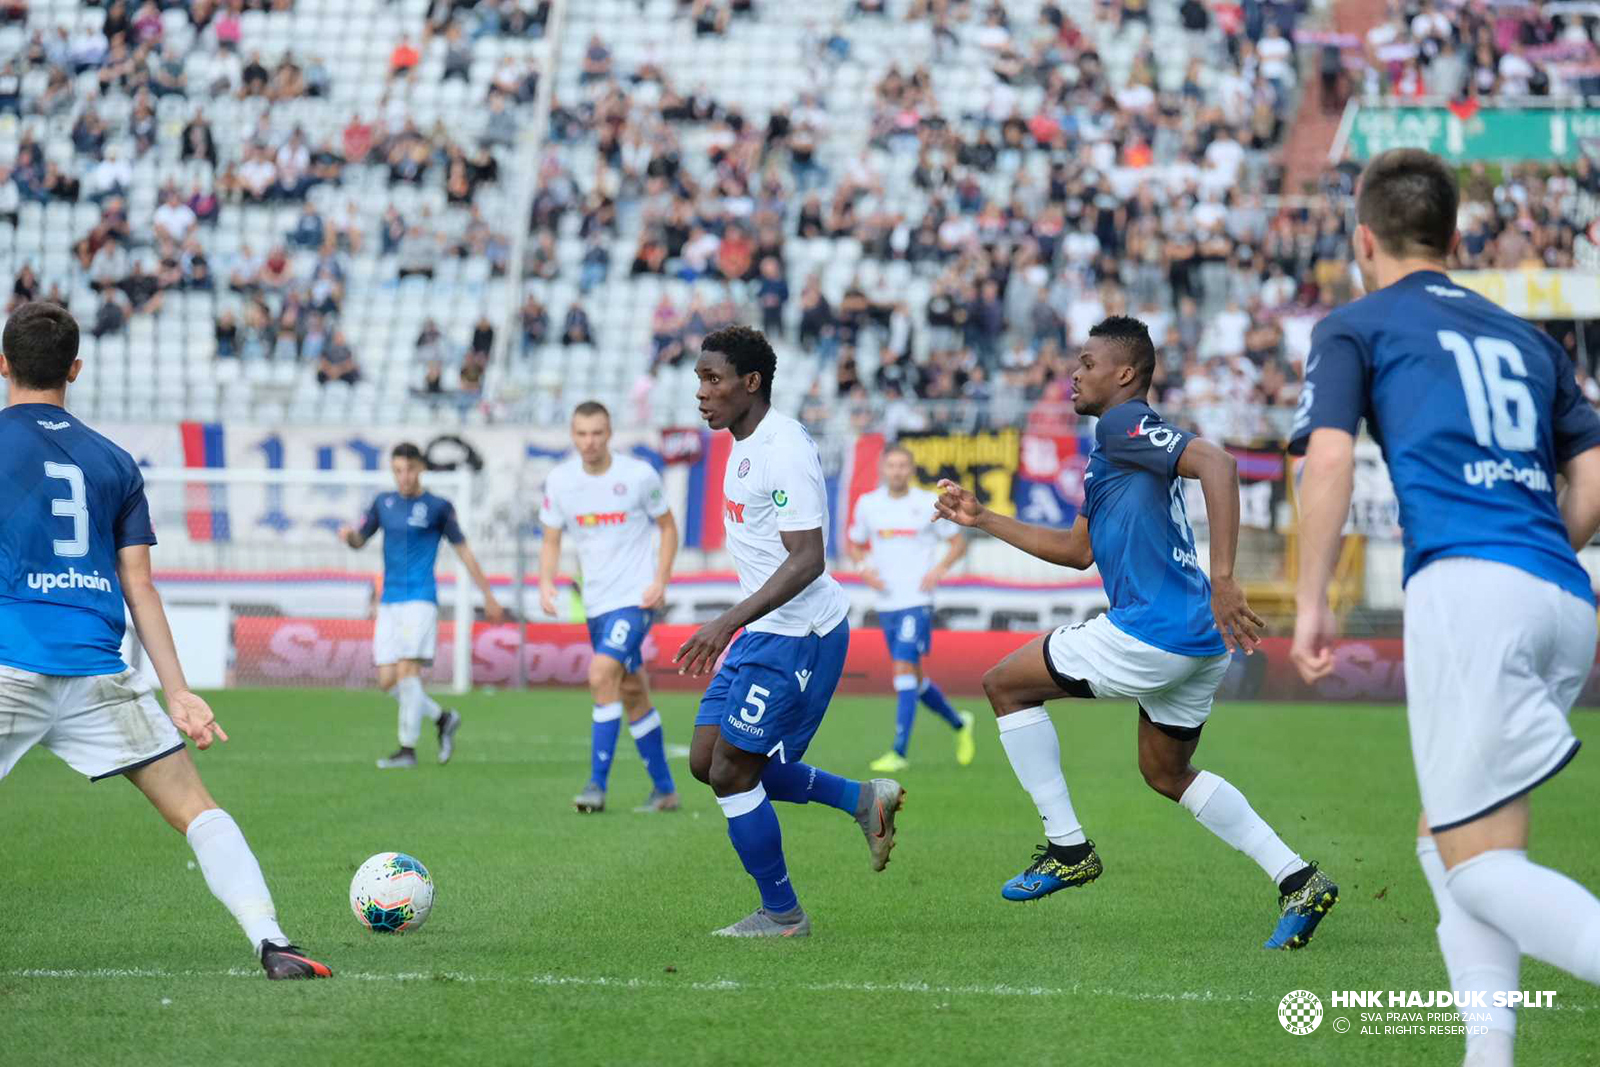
pixel 905 710
pixel 753 829
pixel 801 783
pixel 649 738
pixel 933 696
pixel 603 741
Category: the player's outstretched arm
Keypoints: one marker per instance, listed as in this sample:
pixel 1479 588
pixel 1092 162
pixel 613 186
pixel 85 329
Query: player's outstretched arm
pixel 1326 481
pixel 803 565
pixel 656 594
pixel 1218 474
pixel 1580 500
pixel 189 712
pixel 549 556
pixel 1065 548
pixel 491 607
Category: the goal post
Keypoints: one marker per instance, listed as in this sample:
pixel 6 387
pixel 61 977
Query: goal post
pixel 258 550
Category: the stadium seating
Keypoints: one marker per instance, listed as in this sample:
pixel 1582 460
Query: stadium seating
pixel 1174 83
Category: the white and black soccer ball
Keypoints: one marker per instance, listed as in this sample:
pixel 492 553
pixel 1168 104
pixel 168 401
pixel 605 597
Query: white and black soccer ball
pixel 392 893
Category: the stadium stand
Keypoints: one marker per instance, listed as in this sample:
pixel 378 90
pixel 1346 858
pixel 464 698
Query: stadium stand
pixel 411 212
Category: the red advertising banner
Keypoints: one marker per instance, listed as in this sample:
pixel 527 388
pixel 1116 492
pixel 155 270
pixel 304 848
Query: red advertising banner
pixel 338 652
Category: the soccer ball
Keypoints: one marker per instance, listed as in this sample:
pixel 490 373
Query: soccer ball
pixel 391 893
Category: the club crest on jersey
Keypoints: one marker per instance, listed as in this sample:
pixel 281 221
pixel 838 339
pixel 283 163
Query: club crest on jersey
pixel 419 514
pixel 734 510
pixel 619 489
pixel 780 498
pixel 1159 436
pixel 744 467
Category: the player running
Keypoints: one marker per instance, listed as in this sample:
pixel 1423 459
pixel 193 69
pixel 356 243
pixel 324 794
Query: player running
pixel 892 536
pixel 767 699
pixel 412 521
pixel 1165 642
pixel 76 547
pixel 1476 412
pixel 610 503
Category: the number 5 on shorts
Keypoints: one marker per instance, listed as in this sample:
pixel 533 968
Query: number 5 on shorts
pixel 756 698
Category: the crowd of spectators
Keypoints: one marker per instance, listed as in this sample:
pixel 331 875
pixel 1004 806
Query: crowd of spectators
pixel 105 93
pixel 1053 199
pixel 1469 50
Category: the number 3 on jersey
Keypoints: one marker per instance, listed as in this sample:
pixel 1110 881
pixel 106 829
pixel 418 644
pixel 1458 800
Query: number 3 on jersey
pixel 74 506
pixel 1501 407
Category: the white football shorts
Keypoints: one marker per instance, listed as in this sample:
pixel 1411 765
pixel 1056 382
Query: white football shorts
pixel 1174 690
pixel 1495 659
pixel 408 629
pixel 100 724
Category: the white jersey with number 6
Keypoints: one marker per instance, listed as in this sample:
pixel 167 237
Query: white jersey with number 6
pixel 773 484
pixel 609 517
pixel 905 541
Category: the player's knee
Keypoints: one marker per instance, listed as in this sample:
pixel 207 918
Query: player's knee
pixel 700 761
pixel 605 679
pixel 1169 781
pixel 997 690
pixel 729 777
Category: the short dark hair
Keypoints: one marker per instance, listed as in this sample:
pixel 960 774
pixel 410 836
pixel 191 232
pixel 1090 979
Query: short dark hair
pixel 748 350
pixel 40 342
pixel 1408 198
pixel 1133 337
pixel 407 450
pixel 591 407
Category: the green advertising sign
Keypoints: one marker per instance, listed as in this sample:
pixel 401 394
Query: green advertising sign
pixel 1467 135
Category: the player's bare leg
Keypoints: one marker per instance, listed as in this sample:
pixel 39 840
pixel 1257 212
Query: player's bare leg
pixel 1305 893
pixel 1017 688
pixel 1478 958
pixel 605 688
pixel 173 786
pixel 644 723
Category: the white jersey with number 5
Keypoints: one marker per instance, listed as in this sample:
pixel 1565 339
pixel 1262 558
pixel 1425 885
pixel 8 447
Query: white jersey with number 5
pixel 609 517
pixel 905 542
pixel 773 484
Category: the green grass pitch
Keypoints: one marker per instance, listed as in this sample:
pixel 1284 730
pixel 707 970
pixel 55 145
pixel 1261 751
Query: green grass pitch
pixel 565 939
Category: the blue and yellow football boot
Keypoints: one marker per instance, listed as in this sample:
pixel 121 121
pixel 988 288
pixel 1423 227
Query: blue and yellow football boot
pixel 1303 909
pixel 1055 867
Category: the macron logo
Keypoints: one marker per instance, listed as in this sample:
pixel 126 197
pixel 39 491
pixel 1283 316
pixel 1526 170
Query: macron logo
pixel 804 678
pixel 47 583
pixel 53 425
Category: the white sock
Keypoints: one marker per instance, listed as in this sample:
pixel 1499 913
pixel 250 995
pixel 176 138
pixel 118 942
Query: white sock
pixel 1224 811
pixel 410 714
pixel 1549 916
pixel 411 687
pixel 1477 957
pixel 233 875
pixel 1031 744
pixel 643 727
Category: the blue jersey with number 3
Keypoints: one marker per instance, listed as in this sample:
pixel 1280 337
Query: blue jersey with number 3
pixel 1475 411
pixel 69 499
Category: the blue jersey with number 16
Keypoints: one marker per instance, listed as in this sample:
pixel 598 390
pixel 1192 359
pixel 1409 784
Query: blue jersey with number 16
pixel 1475 411
pixel 69 499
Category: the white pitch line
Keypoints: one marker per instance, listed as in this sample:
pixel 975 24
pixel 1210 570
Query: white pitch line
pixel 1077 989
